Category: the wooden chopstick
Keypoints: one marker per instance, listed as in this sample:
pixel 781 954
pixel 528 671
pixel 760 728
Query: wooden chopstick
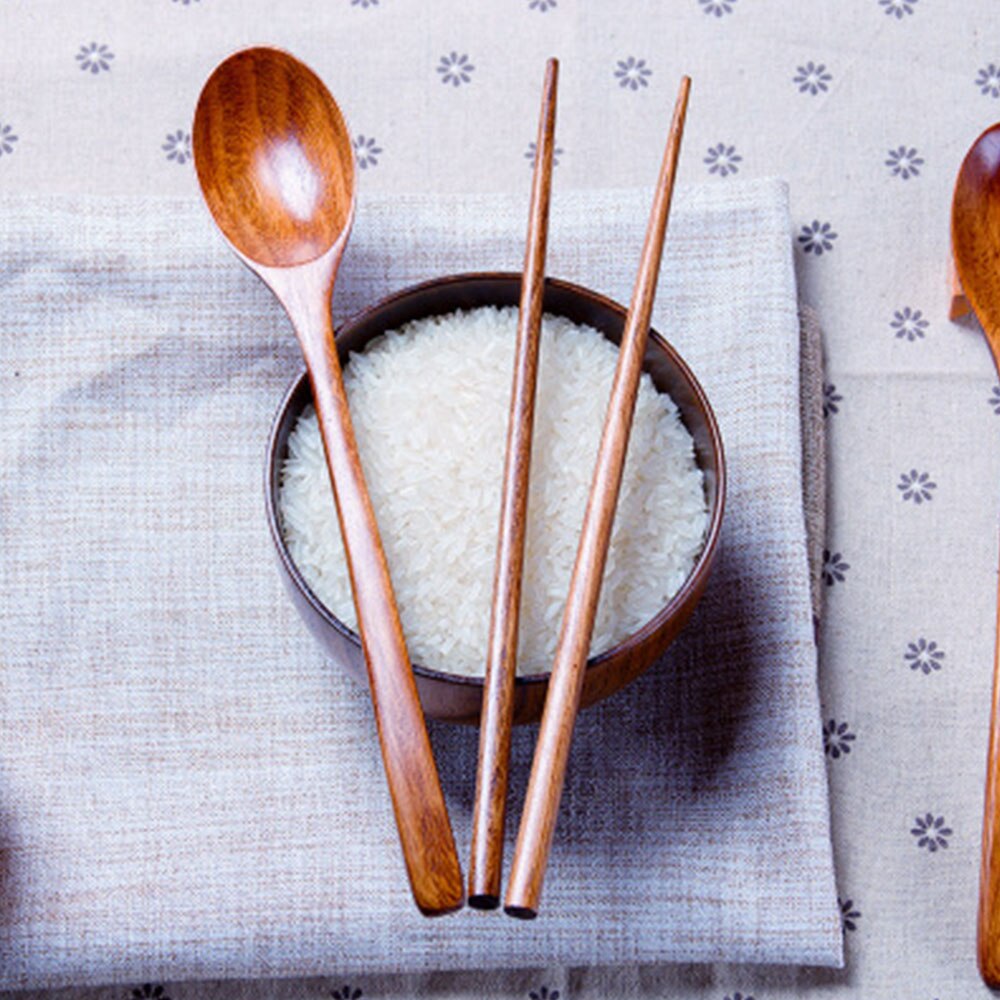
pixel 548 769
pixel 490 804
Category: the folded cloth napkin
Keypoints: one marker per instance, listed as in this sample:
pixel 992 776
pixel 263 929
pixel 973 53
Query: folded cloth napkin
pixel 188 789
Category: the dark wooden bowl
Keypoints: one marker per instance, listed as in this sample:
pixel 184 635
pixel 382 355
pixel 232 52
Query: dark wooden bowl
pixel 450 696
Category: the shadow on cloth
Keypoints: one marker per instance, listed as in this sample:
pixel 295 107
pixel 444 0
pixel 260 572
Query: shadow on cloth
pixel 670 741
pixel 11 904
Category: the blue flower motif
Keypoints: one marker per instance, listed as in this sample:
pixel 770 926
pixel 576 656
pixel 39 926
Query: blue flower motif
pixel 346 993
pixel 542 5
pixel 7 139
pixel 94 57
pixel 909 324
pixel 916 486
pixel 931 832
pixel 897 7
pixel 848 914
pixel 364 4
pixel 544 993
pixel 830 399
pixel 837 739
pixel 994 400
pixel 988 80
pixel 717 7
pixel 178 146
pixel 532 152
pixel 834 568
pixel 723 160
pixel 817 238
pixel 455 69
pixel 904 162
pixel 149 991
pixel 812 78
pixel 633 73
pixel 367 152
pixel 923 656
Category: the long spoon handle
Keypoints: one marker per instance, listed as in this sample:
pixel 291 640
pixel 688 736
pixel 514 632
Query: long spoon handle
pixel 988 933
pixel 490 804
pixel 548 769
pixel 418 802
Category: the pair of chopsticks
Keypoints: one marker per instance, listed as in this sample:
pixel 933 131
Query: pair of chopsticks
pixel 548 769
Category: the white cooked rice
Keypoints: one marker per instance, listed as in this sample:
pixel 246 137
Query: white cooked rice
pixel 429 404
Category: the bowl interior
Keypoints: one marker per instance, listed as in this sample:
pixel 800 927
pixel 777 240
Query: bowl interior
pixel 667 369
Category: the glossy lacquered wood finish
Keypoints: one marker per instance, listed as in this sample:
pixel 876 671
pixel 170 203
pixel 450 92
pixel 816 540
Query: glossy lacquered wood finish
pixel 459 699
pixel 490 802
pixel 975 239
pixel 275 162
pixel 274 158
pixel 548 770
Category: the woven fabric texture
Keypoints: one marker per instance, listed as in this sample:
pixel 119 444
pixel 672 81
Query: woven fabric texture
pixel 188 789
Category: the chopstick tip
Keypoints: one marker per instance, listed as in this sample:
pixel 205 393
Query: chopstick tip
pixel 680 108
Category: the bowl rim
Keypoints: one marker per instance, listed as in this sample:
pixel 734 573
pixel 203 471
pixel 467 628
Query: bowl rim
pixel 695 574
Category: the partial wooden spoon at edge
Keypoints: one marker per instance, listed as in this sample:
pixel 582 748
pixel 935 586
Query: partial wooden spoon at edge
pixel 975 241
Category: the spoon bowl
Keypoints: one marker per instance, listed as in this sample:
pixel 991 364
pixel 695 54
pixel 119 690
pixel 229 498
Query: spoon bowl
pixel 276 166
pixel 274 158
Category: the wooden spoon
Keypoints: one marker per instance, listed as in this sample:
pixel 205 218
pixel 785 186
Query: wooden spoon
pixel 490 805
pixel 548 769
pixel 975 241
pixel 276 166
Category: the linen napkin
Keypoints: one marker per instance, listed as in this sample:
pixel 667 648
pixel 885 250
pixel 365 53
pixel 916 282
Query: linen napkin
pixel 189 789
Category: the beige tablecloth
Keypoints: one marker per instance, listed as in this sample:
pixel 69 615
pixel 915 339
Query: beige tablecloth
pixel 866 107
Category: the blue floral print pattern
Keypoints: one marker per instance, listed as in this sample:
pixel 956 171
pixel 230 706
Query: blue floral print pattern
pixel 931 832
pixel 543 993
pixel 149 991
pixel 717 7
pixel 812 78
pixel 347 993
pixel 95 58
pixel 909 324
pixel 837 739
pixel 723 160
pixel 542 5
pixel 916 487
pixel 849 916
pixel 7 139
pixel 366 152
pixel 830 399
pixel 178 146
pixel 817 238
pixel 834 568
pixel 994 400
pixel 924 656
pixel 455 69
pixel 532 151
pixel 988 80
pixel 904 162
pixel 897 8
pixel 633 73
